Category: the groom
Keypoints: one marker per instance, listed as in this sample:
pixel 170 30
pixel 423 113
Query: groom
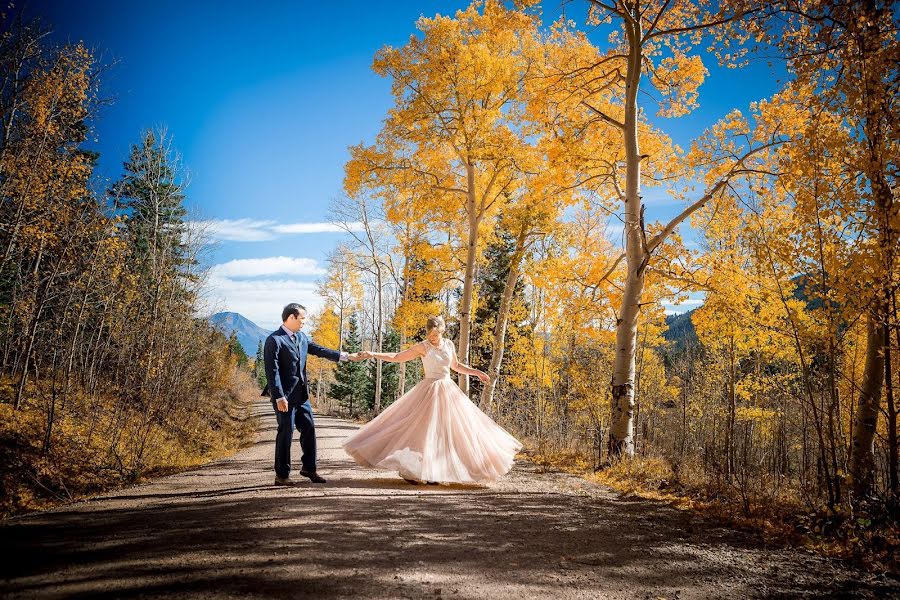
pixel 285 358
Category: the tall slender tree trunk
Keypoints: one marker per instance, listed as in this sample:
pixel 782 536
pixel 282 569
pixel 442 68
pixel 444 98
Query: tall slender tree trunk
pixel 621 430
pixel 8 344
pixel 865 423
pixel 319 385
pixel 32 329
pixel 465 307
pixel 379 335
pixel 732 414
pixel 401 373
pixel 862 450
pixel 499 342
pixel 891 414
pixel 341 328
pixel 51 409
pixel 833 408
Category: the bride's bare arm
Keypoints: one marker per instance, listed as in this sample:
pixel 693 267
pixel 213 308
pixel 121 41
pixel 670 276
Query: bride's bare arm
pixel 466 369
pixel 396 357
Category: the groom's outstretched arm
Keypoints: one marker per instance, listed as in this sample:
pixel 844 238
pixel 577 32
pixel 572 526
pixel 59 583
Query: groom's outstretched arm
pixel 327 353
pixel 270 357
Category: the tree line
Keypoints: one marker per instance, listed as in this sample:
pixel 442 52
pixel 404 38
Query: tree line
pixel 105 371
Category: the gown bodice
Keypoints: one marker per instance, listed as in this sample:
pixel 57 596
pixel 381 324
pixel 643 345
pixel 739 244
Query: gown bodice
pixel 437 360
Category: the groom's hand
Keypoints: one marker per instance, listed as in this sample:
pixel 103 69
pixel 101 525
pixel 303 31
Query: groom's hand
pixel 281 404
pixel 356 357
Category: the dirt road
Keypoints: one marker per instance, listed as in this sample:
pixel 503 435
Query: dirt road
pixel 224 531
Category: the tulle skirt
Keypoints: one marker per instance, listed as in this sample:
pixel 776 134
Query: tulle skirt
pixel 435 433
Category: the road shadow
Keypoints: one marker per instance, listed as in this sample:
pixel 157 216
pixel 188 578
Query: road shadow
pixel 272 545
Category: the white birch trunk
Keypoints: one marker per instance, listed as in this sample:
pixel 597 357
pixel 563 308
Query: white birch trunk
pixel 465 307
pixel 379 335
pixel 621 430
pixel 862 450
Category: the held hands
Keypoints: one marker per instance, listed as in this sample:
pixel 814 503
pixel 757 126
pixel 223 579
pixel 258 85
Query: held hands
pixel 358 356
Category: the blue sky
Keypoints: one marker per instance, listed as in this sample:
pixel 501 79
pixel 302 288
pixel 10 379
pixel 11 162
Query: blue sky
pixel 263 99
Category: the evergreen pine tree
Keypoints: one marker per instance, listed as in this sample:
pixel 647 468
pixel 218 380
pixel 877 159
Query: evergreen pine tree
pixel 491 283
pixel 351 378
pixel 236 350
pixel 153 198
pixel 414 373
pixel 390 372
pixel 260 367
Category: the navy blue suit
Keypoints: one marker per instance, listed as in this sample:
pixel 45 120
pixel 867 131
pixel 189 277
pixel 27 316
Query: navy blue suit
pixel 286 375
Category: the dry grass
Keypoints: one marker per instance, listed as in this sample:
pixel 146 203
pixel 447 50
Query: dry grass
pixel 570 461
pixel 93 446
pixel 870 539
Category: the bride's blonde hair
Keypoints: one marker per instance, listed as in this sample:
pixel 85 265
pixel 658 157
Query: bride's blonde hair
pixel 433 322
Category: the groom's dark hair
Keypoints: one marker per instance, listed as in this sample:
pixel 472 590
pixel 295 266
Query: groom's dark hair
pixel 292 309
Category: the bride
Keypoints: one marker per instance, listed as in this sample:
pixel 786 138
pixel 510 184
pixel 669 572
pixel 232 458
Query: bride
pixel 434 433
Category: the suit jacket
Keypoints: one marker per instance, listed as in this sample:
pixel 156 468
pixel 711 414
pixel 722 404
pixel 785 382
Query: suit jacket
pixel 286 365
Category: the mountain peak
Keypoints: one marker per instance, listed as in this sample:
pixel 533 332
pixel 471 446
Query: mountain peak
pixel 248 333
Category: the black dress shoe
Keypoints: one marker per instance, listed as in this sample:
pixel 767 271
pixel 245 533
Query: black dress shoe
pixel 283 481
pixel 313 476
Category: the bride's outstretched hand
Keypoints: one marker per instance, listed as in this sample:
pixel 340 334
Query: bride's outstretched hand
pixel 483 377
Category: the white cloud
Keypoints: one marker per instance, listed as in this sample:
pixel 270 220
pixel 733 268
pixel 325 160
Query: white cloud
pixel 273 265
pixel 259 288
pixel 315 228
pixel 688 302
pixel 237 230
pixel 260 300
pixel 253 230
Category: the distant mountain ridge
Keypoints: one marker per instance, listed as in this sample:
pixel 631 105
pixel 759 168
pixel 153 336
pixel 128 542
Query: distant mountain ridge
pixel 248 333
pixel 680 332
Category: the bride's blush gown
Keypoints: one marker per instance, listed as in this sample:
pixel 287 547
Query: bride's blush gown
pixel 434 432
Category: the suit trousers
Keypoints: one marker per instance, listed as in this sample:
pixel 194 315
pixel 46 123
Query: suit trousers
pixel 301 417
